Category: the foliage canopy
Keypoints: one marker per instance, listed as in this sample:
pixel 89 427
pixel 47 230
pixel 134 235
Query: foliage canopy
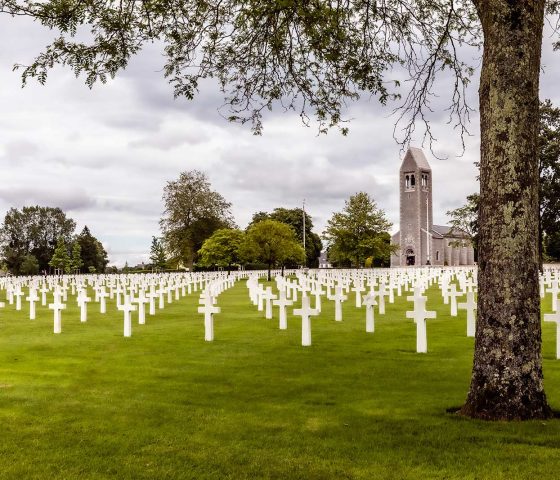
pixel 193 211
pixel 358 232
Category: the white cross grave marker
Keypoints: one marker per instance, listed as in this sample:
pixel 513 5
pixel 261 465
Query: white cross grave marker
pixel 268 296
pixel 127 308
pixel 57 306
pixel 32 298
pixel 305 312
pixel 420 314
pixel 338 298
pixel 453 294
pixel 209 310
pixel 369 301
pixel 83 300
pixel 470 307
pixel 282 303
pixel 555 318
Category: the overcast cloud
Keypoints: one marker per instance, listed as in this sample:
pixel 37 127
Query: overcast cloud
pixel 105 155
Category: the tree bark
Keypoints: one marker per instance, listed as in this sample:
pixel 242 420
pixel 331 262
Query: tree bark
pixel 507 381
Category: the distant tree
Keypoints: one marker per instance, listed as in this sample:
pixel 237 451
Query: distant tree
pixel 222 249
pixel 272 243
pixel 465 219
pixel 29 265
pixel 76 262
pixel 158 257
pixel 92 253
pixel 294 218
pixel 60 259
pixel 33 230
pixel 552 246
pixel 357 232
pixel 192 213
pixel 549 174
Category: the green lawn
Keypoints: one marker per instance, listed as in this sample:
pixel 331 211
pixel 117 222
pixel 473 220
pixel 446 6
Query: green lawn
pixel 253 404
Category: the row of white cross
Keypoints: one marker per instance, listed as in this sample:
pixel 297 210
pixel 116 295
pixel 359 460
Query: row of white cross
pixel 133 293
pixel 138 293
pixel 307 285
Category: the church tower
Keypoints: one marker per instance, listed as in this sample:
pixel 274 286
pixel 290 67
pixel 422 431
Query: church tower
pixel 416 218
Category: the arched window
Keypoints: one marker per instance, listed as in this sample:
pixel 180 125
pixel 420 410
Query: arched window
pixel 407 182
pixel 412 181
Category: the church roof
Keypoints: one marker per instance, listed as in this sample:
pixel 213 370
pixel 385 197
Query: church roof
pixel 416 156
pixel 441 231
pixel 447 231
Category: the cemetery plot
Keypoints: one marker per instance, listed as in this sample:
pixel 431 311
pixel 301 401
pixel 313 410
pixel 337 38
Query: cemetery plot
pixel 253 402
pixel 134 294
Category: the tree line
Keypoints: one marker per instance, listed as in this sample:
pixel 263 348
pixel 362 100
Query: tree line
pixel 39 239
pixel 198 231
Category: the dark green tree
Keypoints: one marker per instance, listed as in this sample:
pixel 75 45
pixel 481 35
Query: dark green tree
pixel 193 211
pixel 552 246
pixel 320 54
pixel 158 257
pixel 60 260
pixel 93 255
pixel 465 219
pixel 272 243
pixel 29 265
pixel 549 175
pixel 294 218
pixel 33 230
pixel 75 263
pixel 358 232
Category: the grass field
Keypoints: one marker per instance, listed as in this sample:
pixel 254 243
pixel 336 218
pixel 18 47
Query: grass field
pixel 164 404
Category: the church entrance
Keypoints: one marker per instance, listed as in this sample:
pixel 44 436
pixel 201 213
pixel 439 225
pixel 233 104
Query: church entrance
pixel 410 258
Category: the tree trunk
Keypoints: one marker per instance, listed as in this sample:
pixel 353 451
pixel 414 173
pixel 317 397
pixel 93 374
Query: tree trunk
pixel 507 373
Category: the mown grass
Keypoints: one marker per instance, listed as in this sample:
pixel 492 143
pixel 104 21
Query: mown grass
pixel 254 404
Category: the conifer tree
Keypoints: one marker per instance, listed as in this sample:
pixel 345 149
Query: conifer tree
pixel 60 259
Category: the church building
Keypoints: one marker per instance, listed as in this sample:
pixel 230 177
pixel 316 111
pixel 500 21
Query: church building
pixel 419 241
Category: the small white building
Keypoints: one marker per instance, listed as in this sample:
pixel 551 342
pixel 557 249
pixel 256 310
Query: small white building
pixel 323 261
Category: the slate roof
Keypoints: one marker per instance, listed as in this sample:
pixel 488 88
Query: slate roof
pixel 447 231
pixel 441 231
pixel 419 158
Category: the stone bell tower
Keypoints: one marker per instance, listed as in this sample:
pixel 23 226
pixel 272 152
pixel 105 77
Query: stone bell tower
pixel 416 218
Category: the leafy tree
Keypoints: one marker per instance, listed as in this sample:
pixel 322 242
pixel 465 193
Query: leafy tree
pixel 273 243
pixel 318 55
pixel 157 254
pixel 465 219
pixel 29 265
pixel 60 259
pixel 192 213
pixel 33 230
pixel 76 262
pixel 222 249
pixel 552 246
pixel 549 175
pixel 294 218
pixel 93 255
pixel 356 233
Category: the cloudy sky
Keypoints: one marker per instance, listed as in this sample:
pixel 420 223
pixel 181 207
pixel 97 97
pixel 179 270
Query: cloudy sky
pixel 104 155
